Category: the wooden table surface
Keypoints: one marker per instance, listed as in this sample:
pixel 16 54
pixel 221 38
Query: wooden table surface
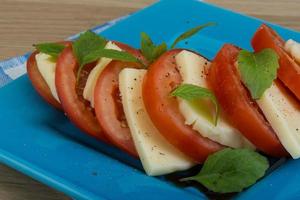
pixel 24 22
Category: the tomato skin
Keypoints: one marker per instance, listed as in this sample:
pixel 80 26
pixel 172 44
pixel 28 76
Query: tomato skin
pixel 77 111
pixel 108 104
pixel 109 108
pixel 289 71
pixel 162 77
pixel 38 81
pixel 70 93
pixel 237 104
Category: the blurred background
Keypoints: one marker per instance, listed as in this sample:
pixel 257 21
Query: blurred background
pixel 24 22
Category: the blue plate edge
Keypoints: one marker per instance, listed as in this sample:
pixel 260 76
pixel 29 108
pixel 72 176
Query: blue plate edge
pixel 19 165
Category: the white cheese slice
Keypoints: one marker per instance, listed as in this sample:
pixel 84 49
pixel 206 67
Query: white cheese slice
pixel 193 68
pixel 46 66
pixel 157 155
pixel 88 92
pixel 283 113
pixel 293 48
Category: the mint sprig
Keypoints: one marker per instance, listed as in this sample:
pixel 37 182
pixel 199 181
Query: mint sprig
pixel 152 51
pixel 52 49
pixel 258 70
pixel 149 49
pixel 110 53
pixel 191 32
pixel 90 47
pixel 191 92
pixel 87 43
pixel 231 170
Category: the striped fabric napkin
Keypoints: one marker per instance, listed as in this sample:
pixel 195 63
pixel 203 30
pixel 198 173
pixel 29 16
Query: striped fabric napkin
pixel 13 68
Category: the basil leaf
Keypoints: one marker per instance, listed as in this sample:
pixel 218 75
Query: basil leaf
pixel 258 70
pixel 149 49
pixel 191 92
pixel 231 170
pixel 191 32
pixel 52 49
pixel 110 53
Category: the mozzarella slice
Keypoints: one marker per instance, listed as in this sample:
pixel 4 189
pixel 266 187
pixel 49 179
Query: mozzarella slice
pixel 283 113
pixel 193 69
pixel 88 92
pixel 157 155
pixel 46 66
pixel 293 48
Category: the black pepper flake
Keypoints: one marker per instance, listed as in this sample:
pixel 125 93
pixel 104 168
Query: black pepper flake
pixel 297 129
pixel 162 153
pixel 147 134
pixel 134 79
pixel 94 173
pixel 131 88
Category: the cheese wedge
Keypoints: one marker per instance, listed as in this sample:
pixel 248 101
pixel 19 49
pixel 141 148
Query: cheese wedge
pixel 88 92
pixel 193 68
pixel 157 155
pixel 293 48
pixel 283 113
pixel 46 66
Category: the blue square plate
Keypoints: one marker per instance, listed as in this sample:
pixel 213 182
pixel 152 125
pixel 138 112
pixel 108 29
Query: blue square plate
pixel 40 142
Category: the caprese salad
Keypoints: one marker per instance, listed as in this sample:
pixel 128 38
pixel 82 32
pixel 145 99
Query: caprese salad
pixel 173 108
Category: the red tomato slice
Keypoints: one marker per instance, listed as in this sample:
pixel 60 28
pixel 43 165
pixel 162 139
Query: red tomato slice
pixel 289 71
pixel 38 81
pixel 70 94
pixel 109 108
pixel 162 77
pixel 108 103
pixel 238 105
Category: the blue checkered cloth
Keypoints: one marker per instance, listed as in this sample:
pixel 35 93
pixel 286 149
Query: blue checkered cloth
pixel 13 68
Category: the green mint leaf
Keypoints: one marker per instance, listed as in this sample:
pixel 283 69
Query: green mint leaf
pixel 191 32
pixel 52 49
pixel 231 170
pixel 258 70
pixel 159 50
pixel 146 45
pixel 191 92
pixel 149 49
pixel 86 44
pixel 110 53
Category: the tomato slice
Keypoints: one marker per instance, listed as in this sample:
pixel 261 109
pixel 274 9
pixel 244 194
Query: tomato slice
pixel 237 104
pixel 289 71
pixel 108 103
pixel 70 94
pixel 109 108
pixel 162 77
pixel 38 81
